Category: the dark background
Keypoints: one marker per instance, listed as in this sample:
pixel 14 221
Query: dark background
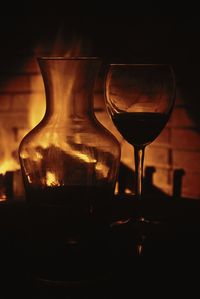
pixel 131 37
pixel 115 32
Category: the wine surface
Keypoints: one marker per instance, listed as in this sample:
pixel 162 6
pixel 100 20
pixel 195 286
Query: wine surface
pixel 140 128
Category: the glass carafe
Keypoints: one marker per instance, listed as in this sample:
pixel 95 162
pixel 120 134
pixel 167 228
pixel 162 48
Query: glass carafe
pixel 69 164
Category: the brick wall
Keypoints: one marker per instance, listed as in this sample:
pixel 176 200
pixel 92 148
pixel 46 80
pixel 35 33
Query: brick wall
pixel 20 90
pixel 177 147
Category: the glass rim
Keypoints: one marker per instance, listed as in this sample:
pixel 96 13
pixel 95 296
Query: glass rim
pixel 95 58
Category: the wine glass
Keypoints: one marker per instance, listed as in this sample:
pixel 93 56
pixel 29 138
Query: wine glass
pixel 139 99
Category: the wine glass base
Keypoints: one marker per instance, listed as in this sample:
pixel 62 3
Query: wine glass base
pixel 134 221
pixel 140 232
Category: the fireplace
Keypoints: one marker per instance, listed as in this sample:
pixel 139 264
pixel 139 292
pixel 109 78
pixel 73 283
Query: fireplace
pixel 172 160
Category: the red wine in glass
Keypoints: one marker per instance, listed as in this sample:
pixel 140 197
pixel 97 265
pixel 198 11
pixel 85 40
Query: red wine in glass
pixel 139 128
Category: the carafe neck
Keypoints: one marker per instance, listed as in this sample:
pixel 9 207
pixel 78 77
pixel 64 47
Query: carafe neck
pixel 69 87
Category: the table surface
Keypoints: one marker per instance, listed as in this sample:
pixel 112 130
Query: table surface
pixel 171 251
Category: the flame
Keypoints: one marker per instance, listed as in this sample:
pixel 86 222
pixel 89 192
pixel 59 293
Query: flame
pixel 3 197
pixel 7 162
pixel 102 169
pixel 51 179
pixel 8 165
pixel 85 157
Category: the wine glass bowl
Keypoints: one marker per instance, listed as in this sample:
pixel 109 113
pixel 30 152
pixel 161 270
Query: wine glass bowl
pixel 139 99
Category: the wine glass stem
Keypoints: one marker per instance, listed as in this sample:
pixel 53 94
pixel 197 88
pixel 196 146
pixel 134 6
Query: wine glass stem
pixel 139 159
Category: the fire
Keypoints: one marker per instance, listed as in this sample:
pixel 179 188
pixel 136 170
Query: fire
pixel 85 158
pixel 3 197
pixel 51 179
pixel 8 165
pixel 7 161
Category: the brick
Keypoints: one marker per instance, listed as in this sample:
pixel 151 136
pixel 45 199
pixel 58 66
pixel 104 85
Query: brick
pixel 20 134
pixel 179 101
pixel 185 139
pixel 14 120
pixel 163 138
pixel 36 109
pixel 31 65
pixel 99 84
pixel 15 83
pixel 20 102
pixel 20 64
pixel 38 98
pixel 5 102
pixel 180 118
pixel 11 64
pixel 187 160
pixel 156 156
pixel 7 137
pixel 161 177
pixel 2 155
pixel 127 154
pixel 167 189
pixel 18 186
pixel 191 186
pixel 99 101
pixel 31 107
pixel 37 84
